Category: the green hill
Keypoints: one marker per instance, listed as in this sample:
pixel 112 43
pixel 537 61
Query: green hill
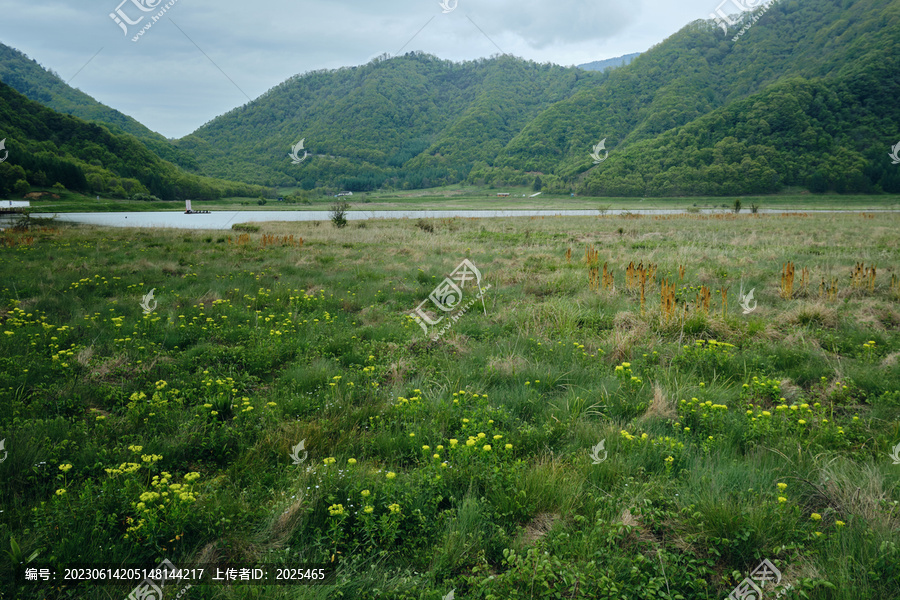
pixel 46 147
pixel 42 85
pixel 412 121
pixel 805 97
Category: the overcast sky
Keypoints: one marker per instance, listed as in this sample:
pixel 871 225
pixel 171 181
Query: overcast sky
pixel 204 57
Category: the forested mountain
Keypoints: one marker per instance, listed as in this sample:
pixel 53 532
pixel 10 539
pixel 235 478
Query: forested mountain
pixel 46 147
pixel 802 93
pixel 411 121
pixel 805 97
pixel 609 63
pixel 43 85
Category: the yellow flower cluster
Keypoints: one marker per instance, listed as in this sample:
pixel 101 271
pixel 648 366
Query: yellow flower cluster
pixel 336 510
pixel 412 402
pixel 123 468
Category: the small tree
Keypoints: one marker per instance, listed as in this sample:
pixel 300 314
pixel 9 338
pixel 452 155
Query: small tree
pixel 737 205
pixel 21 187
pixel 339 213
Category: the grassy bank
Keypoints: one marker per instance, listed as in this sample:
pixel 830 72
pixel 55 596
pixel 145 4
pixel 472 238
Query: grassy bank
pixel 472 462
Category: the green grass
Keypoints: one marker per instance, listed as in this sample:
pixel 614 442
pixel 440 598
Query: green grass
pixel 251 349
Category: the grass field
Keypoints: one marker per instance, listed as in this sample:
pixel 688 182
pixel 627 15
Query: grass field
pixel 617 442
pixel 474 198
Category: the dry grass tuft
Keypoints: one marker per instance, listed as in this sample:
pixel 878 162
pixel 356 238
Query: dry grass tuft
pixel 815 312
pixel 84 356
pixel 859 490
pixel 789 390
pixel 285 524
pixel 660 407
pixel 398 371
pixel 628 329
pixel 106 367
pixel 538 527
pixel 507 365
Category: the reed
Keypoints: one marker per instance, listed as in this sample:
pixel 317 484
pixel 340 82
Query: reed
pixel 787 280
pixel 804 281
pixel 609 283
pixel 592 260
pixel 667 301
pixel 703 300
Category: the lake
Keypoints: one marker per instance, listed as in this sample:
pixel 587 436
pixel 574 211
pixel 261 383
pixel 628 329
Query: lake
pixel 225 219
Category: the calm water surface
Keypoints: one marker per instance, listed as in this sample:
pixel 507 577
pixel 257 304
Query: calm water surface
pixel 225 219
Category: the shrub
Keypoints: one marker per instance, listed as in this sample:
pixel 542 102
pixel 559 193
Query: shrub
pixel 339 213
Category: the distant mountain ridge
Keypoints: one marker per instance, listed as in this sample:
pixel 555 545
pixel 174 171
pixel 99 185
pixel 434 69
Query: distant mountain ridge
pixel 609 63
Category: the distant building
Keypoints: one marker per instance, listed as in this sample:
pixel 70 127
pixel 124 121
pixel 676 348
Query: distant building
pixel 503 194
pixel 342 194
